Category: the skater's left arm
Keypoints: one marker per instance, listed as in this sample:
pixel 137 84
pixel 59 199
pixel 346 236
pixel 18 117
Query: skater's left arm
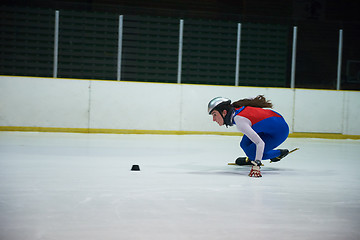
pixel 244 125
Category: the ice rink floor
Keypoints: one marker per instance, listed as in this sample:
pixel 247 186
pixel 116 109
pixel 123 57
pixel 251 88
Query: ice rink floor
pixel 79 187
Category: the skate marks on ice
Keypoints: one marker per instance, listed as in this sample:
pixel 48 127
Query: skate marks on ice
pixel 244 171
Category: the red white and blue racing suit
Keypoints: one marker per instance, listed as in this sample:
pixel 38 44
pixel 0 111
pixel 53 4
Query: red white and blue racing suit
pixel 263 130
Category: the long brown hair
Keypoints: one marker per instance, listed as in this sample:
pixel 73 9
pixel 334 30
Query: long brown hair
pixel 259 101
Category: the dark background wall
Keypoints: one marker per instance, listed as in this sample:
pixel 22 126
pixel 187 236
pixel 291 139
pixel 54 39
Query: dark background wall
pixel 318 23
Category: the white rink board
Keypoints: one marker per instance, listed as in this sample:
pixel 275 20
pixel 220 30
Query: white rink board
pixel 44 102
pixel 124 105
pixel 319 111
pixel 65 103
pixel 352 113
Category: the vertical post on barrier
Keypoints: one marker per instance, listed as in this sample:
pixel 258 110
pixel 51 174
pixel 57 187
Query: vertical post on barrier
pixel 293 59
pixel 238 55
pixel 338 82
pixel 56 43
pixel 181 31
pixel 120 37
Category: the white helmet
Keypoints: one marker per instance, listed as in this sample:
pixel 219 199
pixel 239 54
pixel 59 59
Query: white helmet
pixel 216 102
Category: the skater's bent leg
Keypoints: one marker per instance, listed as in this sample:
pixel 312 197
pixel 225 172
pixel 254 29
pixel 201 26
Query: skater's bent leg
pixel 272 136
pixel 248 147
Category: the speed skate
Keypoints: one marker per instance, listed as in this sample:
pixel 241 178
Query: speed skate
pixel 242 161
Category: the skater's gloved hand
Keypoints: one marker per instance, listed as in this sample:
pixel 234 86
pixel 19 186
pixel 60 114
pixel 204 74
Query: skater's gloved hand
pixel 255 172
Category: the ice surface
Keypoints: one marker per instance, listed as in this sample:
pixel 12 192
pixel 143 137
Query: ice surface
pixel 79 186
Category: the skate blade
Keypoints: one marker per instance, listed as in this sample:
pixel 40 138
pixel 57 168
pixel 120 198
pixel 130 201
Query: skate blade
pixel 241 165
pixel 294 150
pixel 289 152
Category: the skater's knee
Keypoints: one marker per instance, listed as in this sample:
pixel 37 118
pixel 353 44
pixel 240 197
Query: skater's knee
pixel 245 144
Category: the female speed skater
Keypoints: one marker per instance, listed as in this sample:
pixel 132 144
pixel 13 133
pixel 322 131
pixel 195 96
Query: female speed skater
pixel 263 129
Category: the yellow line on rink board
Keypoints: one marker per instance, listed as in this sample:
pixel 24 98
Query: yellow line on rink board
pixel 165 132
